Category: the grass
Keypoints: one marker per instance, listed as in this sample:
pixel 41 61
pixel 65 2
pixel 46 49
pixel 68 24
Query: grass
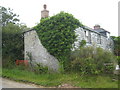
pixel 0 71
pixel 47 80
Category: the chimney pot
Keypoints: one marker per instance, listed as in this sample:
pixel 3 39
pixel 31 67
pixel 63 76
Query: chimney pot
pixel 97 26
pixel 45 6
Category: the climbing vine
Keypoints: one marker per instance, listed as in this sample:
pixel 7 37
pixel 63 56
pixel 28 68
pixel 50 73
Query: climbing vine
pixel 57 33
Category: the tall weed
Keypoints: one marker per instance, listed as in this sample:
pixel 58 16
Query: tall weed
pixel 90 60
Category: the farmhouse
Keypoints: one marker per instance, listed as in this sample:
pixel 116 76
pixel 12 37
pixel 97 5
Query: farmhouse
pixel 97 37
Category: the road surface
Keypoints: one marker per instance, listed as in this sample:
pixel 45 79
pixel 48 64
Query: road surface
pixel 6 83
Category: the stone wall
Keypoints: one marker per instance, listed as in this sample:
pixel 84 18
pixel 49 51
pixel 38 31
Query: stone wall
pixel 93 38
pixel 32 44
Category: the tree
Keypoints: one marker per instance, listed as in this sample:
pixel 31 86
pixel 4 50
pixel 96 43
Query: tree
pixel 116 45
pixel 57 33
pixel 12 37
pixel 8 16
pixel 12 43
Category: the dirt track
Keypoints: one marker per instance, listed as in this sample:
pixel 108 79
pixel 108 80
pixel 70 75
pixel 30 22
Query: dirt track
pixel 6 83
pixel 12 84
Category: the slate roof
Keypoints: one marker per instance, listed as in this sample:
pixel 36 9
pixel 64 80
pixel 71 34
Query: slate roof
pixel 28 30
pixel 98 31
pixel 101 30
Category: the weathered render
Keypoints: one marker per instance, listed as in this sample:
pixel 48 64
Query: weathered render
pixel 33 46
pixel 93 38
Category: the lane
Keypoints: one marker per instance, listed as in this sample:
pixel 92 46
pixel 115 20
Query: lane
pixel 0 83
pixel 12 84
pixel 6 83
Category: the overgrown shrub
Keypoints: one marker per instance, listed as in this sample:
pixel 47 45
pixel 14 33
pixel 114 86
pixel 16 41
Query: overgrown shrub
pixel 57 33
pixel 12 44
pixel 116 45
pixel 40 69
pixel 8 63
pixel 82 43
pixel 118 60
pixel 90 60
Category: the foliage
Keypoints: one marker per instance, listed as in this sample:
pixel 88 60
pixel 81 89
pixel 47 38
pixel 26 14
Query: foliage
pixel 8 63
pixel 39 69
pixel 64 63
pixel 82 43
pixel 12 37
pixel 116 45
pixel 90 60
pixel 75 79
pixel 12 40
pixel 12 43
pixel 0 71
pixel 118 59
pixel 57 33
pixel 8 16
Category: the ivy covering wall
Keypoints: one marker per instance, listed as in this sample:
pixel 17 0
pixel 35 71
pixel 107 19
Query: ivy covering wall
pixel 57 33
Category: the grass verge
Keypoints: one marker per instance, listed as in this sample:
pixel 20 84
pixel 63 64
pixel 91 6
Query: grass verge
pixel 47 80
pixel 0 71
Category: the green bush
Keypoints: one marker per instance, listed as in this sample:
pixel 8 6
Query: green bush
pixel 116 45
pixel 12 44
pixel 90 60
pixel 82 43
pixel 86 66
pixel 8 62
pixel 39 69
pixel 118 60
pixel 57 33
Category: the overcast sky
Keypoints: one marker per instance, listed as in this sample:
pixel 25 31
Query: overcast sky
pixel 89 12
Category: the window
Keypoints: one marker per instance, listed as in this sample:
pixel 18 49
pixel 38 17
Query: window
pixel 108 35
pixel 86 33
pixel 98 39
pixel 87 36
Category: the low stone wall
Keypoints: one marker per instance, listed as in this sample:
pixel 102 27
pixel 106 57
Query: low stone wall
pixel 32 45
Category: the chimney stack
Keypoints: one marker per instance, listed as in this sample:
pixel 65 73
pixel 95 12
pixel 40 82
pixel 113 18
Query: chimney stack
pixel 44 13
pixel 45 6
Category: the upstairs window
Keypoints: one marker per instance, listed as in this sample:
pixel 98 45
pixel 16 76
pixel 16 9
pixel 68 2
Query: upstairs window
pixel 86 33
pixel 88 37
pixel 99 39
pixel 108 35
